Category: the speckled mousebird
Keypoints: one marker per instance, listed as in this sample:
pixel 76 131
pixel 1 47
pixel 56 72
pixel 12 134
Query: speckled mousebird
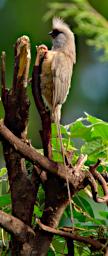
pixel 57 68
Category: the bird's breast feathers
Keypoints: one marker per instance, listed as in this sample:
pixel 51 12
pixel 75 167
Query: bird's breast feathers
pixel 47 79
pixel 55 78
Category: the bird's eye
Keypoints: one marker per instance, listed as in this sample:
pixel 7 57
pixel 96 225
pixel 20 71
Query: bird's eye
pixel 54 33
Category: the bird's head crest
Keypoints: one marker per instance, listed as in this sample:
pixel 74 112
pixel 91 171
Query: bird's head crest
pixel 63 37
pixel 59 24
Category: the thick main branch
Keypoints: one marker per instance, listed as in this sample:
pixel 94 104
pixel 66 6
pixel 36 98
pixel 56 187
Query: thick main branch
pixel 31 154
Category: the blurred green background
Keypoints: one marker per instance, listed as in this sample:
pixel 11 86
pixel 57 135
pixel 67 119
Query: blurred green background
pixel 89 91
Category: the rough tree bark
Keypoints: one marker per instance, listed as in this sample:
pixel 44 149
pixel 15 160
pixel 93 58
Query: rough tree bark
pixel 16 105
pixel 26 241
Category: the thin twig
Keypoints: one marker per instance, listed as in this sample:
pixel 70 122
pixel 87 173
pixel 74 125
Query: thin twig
pixel 93 184
pixel 88 240
pixel 99 177
pixel 80 162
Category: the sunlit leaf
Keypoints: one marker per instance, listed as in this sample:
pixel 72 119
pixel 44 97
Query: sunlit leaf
pixel 100 130
pixel 3 172
pixel 94 149
pixel 37 211
pixel 56 130
pixel 79 130
pixel 57 156
pixel 93 119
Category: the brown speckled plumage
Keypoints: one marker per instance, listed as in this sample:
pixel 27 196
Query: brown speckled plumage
pixel 57 69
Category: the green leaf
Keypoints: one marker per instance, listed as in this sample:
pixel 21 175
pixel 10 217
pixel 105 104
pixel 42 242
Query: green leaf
pixel 96 129
pixel 51 252
pixel 65 142
pixel 84 204
pixel 94 149
pixel 3 172
pixel 5 200
pixel 41 196
pixel 59 245
pixel 104 214
pixel 100 130
pixel 55 142
pixel 79 130
pixel 37 211
pixel 55 130
pixel 92 119
pixel 79 216
pixel 57 156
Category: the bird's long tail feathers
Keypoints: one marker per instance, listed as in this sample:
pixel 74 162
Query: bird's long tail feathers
pixel 55 118
pixel 67 181
pixel 56 114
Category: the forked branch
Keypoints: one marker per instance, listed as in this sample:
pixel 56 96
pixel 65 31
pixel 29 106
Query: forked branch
pixel 77 181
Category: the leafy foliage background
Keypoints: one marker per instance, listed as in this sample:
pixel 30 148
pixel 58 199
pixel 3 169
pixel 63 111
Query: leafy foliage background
pixel 87 134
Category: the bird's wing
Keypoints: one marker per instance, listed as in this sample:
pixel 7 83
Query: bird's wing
pixel 61 71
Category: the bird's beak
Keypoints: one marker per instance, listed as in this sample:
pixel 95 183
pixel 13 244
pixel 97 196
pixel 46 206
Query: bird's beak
pixel 50 33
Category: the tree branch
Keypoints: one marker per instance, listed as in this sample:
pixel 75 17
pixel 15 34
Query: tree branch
pixel 77 181
pixel 31 154
pixel 87 240
pixel 101 181
pixel 80 162
pixel 99 177
pixel 16 105
pixel 22 62
pixel 91 181
pixel 42 176
pixel 36 90
pixel 44 114
pixel 105 176
pixel 15 226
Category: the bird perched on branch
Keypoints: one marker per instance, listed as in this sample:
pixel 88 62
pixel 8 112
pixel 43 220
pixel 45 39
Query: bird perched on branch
pixel 55 77
pixel 57 68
